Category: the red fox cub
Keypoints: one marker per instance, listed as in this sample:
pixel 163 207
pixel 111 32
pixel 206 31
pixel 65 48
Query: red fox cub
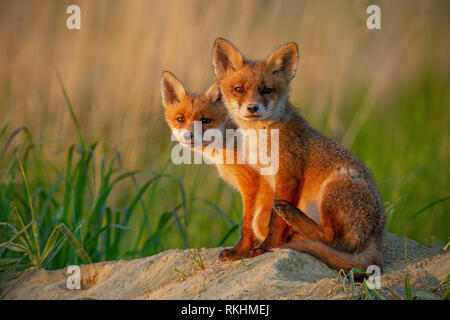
pixel 325 200
pixel 182 109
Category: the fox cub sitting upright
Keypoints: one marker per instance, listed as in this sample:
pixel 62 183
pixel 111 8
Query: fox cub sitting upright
pixel 182 110
pixel 325 200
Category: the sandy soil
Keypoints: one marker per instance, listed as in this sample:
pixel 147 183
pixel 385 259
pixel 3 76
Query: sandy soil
pixel 281 274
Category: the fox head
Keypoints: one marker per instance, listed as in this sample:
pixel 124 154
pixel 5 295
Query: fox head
pixel 186 111
pixel 254 90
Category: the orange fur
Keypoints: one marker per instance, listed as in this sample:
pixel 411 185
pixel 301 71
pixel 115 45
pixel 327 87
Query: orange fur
pixel 329 195
pixel 256 193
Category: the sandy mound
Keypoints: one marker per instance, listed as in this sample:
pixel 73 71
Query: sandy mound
pixel 281 274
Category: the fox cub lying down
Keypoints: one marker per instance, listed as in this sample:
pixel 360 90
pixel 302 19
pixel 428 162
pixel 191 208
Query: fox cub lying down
pixel 322 200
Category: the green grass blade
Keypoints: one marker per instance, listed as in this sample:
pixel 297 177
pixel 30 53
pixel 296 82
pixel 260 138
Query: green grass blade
pixel 377 294
pixel 446 295
pixel 72 112
pixel 67 197
pixel 17 221
pixel 99 232
pixel 183 199
pixel 74 242
pixel 18 235
pixel 45 207
pixel 219 212
pixel 10 139
pixel 414 216
pixel 5 262
pixel 408 293
pixel 180 227
pixel 352 282
pixel 35 244
pixel 14 246
pixel 227 235
pixel 4 128
pixel 49 246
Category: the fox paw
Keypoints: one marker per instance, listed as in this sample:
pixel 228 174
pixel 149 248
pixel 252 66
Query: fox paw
pixel 284 209
pixel 255 252
pixel 230 255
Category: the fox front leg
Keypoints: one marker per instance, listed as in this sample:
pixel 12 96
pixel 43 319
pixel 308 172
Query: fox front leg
pixel 243 246
pixel 247 241
pixel 287 188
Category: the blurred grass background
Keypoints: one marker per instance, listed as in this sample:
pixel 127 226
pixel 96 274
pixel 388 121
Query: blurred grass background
pixel 384 94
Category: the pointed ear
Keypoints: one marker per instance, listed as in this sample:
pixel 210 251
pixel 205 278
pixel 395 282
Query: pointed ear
pixel 226 58
pixel 214 93
pixel 172 91
pixel 284 61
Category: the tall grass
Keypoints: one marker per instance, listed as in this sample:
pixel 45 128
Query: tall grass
pixel 112 66
pixel 383 94
pixel 70 220
pixel 93 209
pixel 404 140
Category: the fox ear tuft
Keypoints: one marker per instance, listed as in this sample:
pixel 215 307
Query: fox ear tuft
pixel 214 93
pixel 226 58
pixel 172 91
pixel 284 61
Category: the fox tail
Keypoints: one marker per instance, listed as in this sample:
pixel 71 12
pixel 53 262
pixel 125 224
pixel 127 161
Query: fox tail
pixel 337 259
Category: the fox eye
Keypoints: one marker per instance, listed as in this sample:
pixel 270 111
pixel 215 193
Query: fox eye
pixel 266 90
pixel 239 90
pixel 180 119
pixel 206 120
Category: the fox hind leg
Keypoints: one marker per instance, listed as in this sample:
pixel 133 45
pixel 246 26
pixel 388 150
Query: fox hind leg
pixel 298 220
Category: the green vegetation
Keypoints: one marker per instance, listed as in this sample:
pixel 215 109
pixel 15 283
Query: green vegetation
pixel 87 209
pixel 361 290
pixel 68 220
pixel 69 196
pixel 405 140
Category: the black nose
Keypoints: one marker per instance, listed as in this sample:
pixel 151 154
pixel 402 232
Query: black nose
pixel 188 136
pixel 252 108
